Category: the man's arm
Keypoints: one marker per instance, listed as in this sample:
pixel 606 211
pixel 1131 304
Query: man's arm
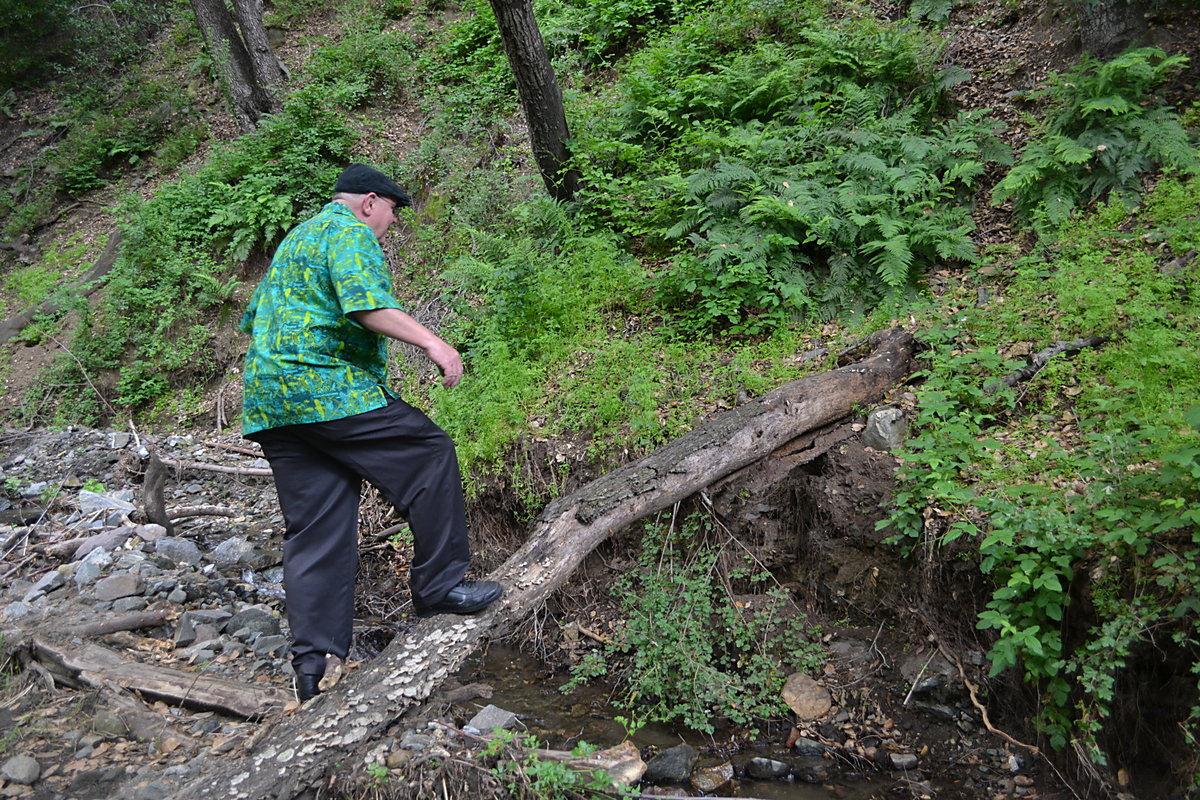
pixel 395 324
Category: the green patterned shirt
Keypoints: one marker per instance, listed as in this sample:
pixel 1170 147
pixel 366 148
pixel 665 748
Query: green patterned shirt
pixel 308 360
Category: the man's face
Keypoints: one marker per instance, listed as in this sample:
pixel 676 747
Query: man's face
pixel 378 213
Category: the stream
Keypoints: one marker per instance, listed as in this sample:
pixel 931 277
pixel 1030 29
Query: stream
pixel 560 721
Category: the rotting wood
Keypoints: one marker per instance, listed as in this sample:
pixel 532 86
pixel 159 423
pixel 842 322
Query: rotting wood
pixel 91 666
pixel 339 726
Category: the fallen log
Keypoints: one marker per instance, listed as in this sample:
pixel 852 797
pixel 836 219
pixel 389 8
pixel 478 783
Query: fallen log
pixel 91 666
pixel 340 725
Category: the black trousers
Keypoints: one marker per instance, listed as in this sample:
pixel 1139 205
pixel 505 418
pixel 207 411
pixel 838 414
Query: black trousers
pixel 319 468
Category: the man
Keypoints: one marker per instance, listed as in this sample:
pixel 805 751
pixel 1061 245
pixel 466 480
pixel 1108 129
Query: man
pixel 316 400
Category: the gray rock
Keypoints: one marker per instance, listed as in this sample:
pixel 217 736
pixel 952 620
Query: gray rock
pixel 766 768
pixel 97 782
pixel 672 765
pixel 902 761
pixel 812 769
pixel 109 723
pixel 19 587
pixel 123 584
pixel 416 741
pixel 97 503
pixel 150 532
pixel 235 550
pixel 256 619
pixel 87 572
pixel 177 595
pixel 21 769
pixel 154 790
pixel 109 540
pixel 274 646
pixel 489 717
pixel 809 747
pixel 118 440
pixel 186 633
pixel 180 551
pixel 16 610
pixel 712 779
pixel 886 429
pixel 45 585
pixel 126 605
pixel 34 490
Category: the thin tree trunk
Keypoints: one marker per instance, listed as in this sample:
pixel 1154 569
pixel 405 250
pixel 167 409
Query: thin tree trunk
pixel 339 725
pixel 541 97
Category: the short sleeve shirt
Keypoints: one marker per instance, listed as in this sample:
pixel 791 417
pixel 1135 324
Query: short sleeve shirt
pixel 308 360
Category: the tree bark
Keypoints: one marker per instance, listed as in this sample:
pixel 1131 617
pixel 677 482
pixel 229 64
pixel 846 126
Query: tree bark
pixel 267 69
pixel 339 725
pixel 1106 27
pixel 541 97
pixel 251 101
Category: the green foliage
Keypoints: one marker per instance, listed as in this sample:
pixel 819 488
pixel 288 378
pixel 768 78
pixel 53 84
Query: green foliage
pixel 528 777
pixel 693 650
pixel 1104 129
pixel 1090 552
pixel 798 177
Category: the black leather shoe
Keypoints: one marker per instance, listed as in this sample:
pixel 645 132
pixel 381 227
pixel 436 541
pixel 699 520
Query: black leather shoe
pixel 466 598
pixel 307 687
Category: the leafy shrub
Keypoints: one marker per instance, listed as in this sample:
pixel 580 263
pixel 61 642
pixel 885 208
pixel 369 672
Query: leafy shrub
pixel 1089 545
pixel 688 651
pixel 1103 129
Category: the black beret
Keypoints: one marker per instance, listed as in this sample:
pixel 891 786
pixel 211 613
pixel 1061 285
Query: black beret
pixel 361 179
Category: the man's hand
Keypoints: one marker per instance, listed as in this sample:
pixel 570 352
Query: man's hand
pixel 396 324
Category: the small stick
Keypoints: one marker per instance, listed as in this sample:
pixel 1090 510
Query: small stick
pixel 131 622
pixel 200 511
pixel 181 464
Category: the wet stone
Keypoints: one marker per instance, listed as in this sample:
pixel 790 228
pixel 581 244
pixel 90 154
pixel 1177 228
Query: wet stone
pixel 808 747
pixel 672 765
pixel 712 779
pixel 491 717
pixel 767 768
pixel 812 769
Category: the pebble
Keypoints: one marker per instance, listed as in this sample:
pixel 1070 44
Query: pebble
pixel 21 769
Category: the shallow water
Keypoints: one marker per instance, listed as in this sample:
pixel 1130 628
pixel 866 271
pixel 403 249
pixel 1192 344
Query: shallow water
pixel 560 721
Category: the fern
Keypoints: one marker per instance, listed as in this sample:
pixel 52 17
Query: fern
pixel 1105 127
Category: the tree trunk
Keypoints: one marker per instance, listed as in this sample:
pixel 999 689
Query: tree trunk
pixel 341 724
pixel 225 46
pixel 266 67
pixel 1106 27
pixel 540 95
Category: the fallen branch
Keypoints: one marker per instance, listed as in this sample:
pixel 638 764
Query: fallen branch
pixel 182 464
pixel 91 666
pixel 343 722
pixel 1042 358
pixel 200 511
pixel 131 622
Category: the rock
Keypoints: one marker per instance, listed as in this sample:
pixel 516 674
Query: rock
pixel 235 550
pixel 276 647
pixel 91 567
pixel 185 631
pixel 812 769
pixel 886 428
pixel 673 765
pixel 97 782
pixel 179 551
pixel 97 503
pixel 16 610
pixel 809 747
pixel 21 769
pixel 177 595
pixel 257 619
pixel 712 779
pixel 127 605
pixel 124 584
pixel 46 584
pixel 902 761
pixel 34 490
pixel 109 540
pixel 109 723
pixel 809 699
pixel 416 741
pixel 118 440
pixel 150 532
pixel 489 718
pixel 767 768
pixel 153 790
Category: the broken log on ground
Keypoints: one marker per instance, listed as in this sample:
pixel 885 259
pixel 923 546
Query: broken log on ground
pixel 344 726
pixel 90 666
